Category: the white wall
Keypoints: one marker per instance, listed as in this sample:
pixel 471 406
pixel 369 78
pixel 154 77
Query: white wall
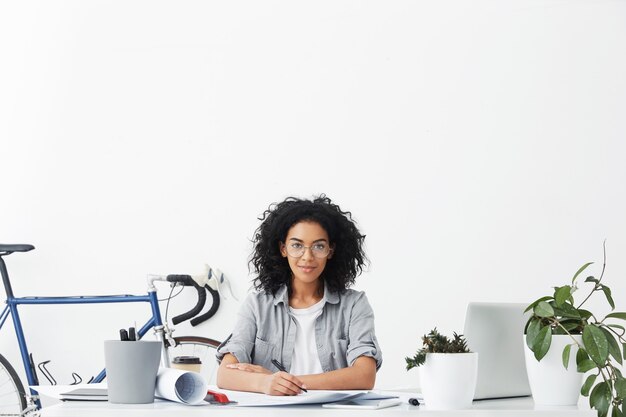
pixel 479 144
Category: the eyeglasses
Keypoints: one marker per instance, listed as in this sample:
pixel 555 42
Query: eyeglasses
pixel 319 250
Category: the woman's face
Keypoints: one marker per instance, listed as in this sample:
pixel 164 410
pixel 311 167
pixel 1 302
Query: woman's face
pixel 307 250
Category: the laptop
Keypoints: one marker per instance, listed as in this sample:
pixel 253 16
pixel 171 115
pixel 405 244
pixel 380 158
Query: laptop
pixel 495 330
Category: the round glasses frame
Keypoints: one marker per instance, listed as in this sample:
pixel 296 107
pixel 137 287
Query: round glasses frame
pixel 317 252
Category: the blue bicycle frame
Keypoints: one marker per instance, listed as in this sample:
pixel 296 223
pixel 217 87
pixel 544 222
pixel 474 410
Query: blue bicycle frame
pixel 13 302
pixel 163 333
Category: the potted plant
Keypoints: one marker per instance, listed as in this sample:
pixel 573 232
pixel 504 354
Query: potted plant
pixel 447 371
pixel 597 343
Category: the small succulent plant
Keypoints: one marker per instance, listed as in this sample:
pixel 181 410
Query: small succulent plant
pixel 435 342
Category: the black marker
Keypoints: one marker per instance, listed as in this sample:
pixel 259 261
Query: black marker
pixel 123 335
pixel 282 368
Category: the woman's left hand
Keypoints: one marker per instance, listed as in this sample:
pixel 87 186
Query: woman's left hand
pixel 248 367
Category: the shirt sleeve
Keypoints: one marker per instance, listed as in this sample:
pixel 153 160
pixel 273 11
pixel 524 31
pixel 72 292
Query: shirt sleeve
pixel 241 341
pixel 363 340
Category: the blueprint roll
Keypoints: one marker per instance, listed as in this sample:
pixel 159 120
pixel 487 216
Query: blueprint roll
pixel 185 387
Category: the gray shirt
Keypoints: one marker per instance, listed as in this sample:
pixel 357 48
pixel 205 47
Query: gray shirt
pixel 266 330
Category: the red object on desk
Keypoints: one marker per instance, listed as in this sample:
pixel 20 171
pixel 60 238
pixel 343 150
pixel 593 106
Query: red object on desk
pixel 218 397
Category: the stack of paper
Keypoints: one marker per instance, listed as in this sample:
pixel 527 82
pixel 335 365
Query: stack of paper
pixel 251 399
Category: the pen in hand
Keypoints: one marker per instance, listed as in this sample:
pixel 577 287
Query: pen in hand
pixel 282 368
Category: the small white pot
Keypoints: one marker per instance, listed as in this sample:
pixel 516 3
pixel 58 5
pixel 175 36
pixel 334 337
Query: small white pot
pixel 550 382
pixel 448 380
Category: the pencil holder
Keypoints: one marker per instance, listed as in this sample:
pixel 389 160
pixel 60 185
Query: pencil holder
pixel 131 368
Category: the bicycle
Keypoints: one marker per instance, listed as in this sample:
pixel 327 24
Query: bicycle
pixel 14 400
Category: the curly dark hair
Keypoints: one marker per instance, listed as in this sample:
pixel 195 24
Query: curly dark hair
pixel 272 269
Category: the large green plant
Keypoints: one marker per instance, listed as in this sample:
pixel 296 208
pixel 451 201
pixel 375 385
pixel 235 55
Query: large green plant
pixel 603 342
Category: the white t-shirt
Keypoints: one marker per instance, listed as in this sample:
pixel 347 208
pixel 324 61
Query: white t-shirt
pixel 305 359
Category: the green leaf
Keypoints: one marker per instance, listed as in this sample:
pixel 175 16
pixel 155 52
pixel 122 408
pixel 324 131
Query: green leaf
pixel 607 293
pixel 588 384
pixel 620 387
pixel 562 294
pixel 600 398
pixel 624 349
pixel 613 345
pixel 572 326
pixel 581 269
pixel 592 279
pixel 585 366
pixel 583 363
pixel 617 326
pixel 532 332
pixel 567 310
pixel 584 314
pixel 543 309
pixel 534 303
pixel 565 355
pixel 617 315
pixel 542 343
pixel 595 344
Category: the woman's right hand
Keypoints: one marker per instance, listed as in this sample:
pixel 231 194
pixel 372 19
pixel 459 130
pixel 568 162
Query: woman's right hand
pixel 282 383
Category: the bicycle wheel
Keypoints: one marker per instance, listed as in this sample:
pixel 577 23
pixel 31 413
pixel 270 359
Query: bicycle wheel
pixel 12 395
pixel 202 347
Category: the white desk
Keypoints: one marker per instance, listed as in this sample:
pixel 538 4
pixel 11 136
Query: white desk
pixel 493 408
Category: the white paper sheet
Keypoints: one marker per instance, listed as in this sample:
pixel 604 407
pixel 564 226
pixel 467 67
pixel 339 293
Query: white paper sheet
pixel 251 399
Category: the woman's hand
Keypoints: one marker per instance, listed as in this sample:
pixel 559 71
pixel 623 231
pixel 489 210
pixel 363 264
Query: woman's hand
pixel 279 383
pixel 248 367
pixel 282 383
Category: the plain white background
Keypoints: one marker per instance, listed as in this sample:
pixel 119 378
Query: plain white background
pixel 479 145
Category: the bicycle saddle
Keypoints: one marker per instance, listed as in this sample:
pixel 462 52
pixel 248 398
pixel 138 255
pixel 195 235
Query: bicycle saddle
pixel 15 248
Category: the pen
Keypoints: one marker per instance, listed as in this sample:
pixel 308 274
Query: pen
pixel 132 334
pixel 123 335
pixel 282 368
pixel 414 401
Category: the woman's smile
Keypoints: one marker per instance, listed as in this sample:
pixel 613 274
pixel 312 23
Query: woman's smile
pixel 307 269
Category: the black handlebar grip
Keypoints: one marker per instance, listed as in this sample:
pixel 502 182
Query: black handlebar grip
pixel 186 280
pixel 194 311
pixel 212 310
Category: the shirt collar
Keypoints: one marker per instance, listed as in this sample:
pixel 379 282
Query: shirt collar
pixel 282 295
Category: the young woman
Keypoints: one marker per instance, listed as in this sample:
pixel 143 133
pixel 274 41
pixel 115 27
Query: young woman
pixel 303 317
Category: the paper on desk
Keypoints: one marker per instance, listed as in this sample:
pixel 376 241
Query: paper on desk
pixel 181 386
pixel 251 399
pixel 172 384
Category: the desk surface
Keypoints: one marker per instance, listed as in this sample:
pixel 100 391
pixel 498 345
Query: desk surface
pixel 492 408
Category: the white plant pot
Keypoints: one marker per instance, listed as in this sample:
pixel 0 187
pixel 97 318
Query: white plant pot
pixel 448 380
pixel 550 382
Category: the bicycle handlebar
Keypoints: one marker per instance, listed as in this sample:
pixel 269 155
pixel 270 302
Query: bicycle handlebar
pixel 212 310
pixel 188 281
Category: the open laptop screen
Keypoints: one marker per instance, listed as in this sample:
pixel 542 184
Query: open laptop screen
pixel 495 331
